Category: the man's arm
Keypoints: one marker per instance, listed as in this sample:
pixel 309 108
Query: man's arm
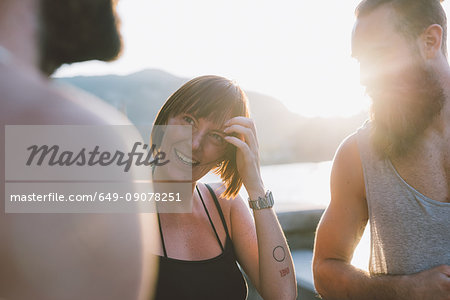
pixel 69 256
pixel 339 232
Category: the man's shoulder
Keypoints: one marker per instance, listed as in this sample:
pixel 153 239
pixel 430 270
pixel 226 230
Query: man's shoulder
pixel 347 171
pixel 90 105
pixel 27 97
pixel 350 148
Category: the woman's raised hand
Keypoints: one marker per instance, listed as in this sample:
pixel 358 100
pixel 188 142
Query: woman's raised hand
pixel 247 156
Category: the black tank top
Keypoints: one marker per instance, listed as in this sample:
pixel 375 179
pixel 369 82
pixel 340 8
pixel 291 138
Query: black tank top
pixel 214 278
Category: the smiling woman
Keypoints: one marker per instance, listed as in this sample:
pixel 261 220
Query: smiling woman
pixel 200 249
pixel 204 103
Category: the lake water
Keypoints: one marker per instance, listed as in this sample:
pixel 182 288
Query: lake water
pixel 300 186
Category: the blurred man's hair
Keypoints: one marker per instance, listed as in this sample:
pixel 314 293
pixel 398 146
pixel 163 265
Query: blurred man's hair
pixel 76 31
pixel 414 16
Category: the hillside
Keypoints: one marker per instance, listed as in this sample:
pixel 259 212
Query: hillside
pixel 283 135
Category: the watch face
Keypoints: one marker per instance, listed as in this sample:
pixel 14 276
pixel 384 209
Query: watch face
pixel 269 197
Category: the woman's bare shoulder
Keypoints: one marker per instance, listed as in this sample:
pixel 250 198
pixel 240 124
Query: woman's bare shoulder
pixel 219 188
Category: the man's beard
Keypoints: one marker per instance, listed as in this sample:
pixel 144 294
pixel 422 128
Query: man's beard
pixel 76 31
pixel 401 114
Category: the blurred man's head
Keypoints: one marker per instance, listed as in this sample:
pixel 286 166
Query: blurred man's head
pixel 399 45
pixel 77 30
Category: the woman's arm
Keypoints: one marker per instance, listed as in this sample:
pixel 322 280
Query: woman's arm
pixel 262 251
pixel 259 242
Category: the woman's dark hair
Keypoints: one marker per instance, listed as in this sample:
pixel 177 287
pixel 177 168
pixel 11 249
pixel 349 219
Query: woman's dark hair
pixel 214 98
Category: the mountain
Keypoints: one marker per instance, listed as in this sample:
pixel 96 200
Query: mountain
pixel 283 136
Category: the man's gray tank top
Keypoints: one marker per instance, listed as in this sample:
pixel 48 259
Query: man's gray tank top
pixel 409 231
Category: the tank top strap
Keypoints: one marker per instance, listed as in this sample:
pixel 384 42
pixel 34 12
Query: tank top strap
pixel 219 209
pixel 162 237
pixel 209 217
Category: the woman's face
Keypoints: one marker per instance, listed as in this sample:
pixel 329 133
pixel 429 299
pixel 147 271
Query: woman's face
pixel 193 156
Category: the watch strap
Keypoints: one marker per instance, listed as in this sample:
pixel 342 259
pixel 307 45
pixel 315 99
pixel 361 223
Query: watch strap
pixel 262 202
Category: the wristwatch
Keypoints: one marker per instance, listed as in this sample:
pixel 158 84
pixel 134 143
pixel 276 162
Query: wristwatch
pixel 262 202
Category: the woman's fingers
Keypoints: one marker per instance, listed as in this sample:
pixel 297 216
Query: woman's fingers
pixel 247 162
pixel 240 144
pixel 246 123
pixel 243 121
pixel 247 133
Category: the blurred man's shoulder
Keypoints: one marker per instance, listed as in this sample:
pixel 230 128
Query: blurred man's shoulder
pixel 91 105
pixel 27 97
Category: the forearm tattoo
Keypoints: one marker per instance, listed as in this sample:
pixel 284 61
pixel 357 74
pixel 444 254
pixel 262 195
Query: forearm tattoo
pixel 284 272
pixel 279 254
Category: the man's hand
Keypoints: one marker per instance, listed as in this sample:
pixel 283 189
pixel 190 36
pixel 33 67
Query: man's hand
pixel 432 284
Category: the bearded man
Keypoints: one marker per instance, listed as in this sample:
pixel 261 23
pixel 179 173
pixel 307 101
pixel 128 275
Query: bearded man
pixel 65 256
pixel 394 171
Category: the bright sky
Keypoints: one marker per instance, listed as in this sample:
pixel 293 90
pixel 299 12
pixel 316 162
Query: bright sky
pixel 294 50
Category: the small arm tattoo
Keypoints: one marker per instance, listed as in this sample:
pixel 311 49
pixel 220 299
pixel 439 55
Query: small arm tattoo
pixel 279 254
pixel 284 272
